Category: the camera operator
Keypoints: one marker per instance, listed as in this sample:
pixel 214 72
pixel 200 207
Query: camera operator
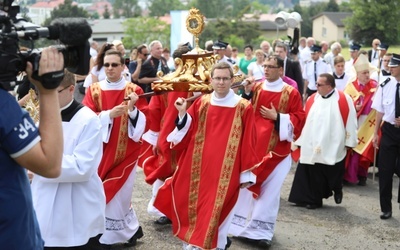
pixel 23 145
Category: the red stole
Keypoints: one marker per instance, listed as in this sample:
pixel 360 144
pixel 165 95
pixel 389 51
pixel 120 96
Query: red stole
pixel 288 101
pixel 120 153
pixel 162 115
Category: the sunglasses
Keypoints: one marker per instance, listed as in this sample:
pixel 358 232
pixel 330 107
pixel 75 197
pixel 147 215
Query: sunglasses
pixel 114 65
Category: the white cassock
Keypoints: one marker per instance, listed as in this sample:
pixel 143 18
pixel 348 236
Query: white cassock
pixel 71 208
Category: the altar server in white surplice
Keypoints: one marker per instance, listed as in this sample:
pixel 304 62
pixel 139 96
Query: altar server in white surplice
pixel 71 208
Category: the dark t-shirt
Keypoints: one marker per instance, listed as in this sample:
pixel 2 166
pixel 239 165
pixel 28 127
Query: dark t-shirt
pixel 150 68
pixel 132 66
pixel 18 225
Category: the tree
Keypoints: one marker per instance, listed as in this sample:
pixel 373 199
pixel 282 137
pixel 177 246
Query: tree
pixel 144 30
pixel 378 18
pixel 66 10
pixel 213 8
pixel 126 8
pixel 162 7
pixel 236 32
pixel 240 7
pixel 106 14
pixel 95 15
pixel 332 6
pixel 258 7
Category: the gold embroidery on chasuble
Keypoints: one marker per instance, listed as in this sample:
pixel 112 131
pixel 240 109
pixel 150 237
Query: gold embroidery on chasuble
pixel 282 108
pixel 196 166
pixel 123 131
pixel 227 169
pixel 96 96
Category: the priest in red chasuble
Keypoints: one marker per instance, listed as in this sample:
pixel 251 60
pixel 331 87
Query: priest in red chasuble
pixel 218 136
pixel 280 117
pixel 123 123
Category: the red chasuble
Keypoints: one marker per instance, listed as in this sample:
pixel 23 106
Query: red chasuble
pixel 217 148
pixel 120 153
pixel 161 117
pixel 288 101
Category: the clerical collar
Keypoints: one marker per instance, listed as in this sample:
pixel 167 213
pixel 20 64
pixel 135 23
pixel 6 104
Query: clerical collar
pixel 108 81
pixel 328 95
pixel 230 100
pixel 109 85
pixel 70 110
pixel 66 106
pixel 338 77
pixel 275 86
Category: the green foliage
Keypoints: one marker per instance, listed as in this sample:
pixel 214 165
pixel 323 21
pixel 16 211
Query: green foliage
pixel 214 8
pixel 106 14
pixel 236 32
pixel 345 7
pixel 374 18
pixel 95 15
pixel 66 10
pixel 240 7
pixel 126 8
pixel 144 30
pixel 162 7
pixel 332 6
pixel 236 41
pixel 259 7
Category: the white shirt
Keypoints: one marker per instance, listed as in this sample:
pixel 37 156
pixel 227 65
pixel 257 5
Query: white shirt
pixel 304 57
pixel 309 74
pixel 349 69
pixel 379 77
pixel 375 60
pixel 71 208
pixel 324 138
pixel 384 100
pixel 330 59
pixel 257 70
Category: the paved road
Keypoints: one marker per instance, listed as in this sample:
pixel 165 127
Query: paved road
pixel 355 224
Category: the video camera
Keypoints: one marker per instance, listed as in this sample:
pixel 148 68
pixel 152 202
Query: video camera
pixel 73 33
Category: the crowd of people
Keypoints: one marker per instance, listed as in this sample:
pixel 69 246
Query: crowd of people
pixel 216 162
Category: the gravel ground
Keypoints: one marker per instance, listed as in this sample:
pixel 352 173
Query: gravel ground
pixel 354 224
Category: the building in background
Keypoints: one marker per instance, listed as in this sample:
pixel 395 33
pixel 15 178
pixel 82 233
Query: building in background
pixel 329 26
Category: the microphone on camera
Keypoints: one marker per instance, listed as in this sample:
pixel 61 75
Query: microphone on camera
pixel 70 31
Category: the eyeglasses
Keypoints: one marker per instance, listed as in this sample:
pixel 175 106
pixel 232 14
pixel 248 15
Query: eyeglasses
pixel 320 85
pixel 270 67
pixel 218 79
pixel 114 65
pixel 146 54
pixel 61 90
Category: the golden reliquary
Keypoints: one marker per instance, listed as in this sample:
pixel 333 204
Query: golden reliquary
pixel 193 70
